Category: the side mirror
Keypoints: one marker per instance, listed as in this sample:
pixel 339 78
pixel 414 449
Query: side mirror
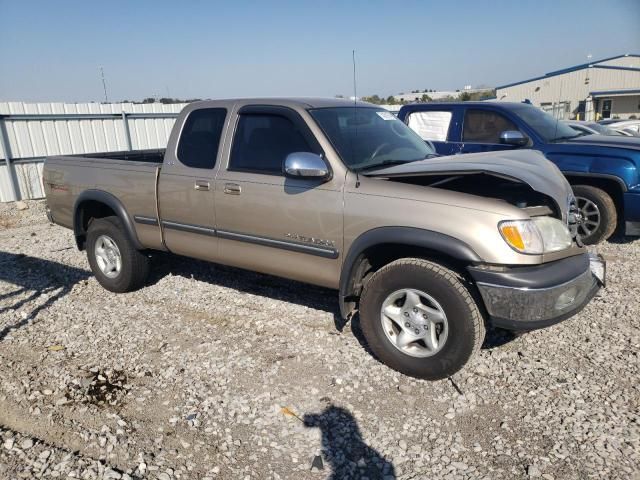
pixel 513 137
pixel 305 165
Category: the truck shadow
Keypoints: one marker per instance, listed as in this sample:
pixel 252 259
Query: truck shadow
pixel 39 279
pixel 311 296
pixel 344 448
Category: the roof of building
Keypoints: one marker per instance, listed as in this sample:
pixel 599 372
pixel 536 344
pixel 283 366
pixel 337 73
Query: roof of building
pixel 620 91
pixel 594 64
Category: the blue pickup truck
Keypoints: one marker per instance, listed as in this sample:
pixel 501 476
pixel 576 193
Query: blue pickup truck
pixel 603 171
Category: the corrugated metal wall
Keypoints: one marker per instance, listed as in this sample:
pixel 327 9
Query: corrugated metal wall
pixel 571 87
pixel 29 141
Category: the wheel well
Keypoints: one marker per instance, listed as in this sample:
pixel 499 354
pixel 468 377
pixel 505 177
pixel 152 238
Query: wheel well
pixel 375 257
pixel 610 186
pixel 86 212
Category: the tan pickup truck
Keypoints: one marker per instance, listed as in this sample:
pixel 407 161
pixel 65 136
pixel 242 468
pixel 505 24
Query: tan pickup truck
pixel 427 250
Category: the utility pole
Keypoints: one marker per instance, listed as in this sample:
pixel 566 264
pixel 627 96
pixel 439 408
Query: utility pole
pixel 104 85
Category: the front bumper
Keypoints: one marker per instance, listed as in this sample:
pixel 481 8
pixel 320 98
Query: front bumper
pixel 527 298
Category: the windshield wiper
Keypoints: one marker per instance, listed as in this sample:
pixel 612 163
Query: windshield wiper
pixel 386 163
pixel 566 137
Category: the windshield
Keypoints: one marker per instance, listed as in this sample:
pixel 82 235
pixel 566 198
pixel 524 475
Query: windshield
pixel 544 124
pixel 366 137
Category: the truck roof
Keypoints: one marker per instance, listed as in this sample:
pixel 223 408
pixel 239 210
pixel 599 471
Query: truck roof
pixel 430 105
pixel 300 102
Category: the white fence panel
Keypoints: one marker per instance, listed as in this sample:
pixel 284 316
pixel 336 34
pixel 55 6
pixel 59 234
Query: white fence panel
pixel 60 129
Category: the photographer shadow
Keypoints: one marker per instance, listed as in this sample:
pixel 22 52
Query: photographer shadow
pixel 345 450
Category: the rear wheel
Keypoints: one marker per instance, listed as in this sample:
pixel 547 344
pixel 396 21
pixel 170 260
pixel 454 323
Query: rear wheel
pixel 114 260
pixel 598 216
pixel 419 319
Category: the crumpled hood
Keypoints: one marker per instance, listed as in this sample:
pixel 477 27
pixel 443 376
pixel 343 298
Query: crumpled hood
pixel 527 166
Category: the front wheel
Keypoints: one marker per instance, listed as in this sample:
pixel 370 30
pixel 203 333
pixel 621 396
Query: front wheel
pixel 598 216
pixel 113 258
pixel 418 318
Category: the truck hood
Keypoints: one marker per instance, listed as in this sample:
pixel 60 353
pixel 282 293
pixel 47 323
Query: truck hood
pixel 525 166
pixel 632 143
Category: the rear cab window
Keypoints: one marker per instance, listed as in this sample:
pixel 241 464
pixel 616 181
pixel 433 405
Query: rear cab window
pixel 431 125
pixel 200 138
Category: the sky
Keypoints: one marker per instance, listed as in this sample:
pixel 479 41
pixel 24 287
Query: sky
pixel 53 50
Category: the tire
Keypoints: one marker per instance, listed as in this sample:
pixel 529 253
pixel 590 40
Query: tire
pixel 133 266
pixel 597 206
pixel 464 323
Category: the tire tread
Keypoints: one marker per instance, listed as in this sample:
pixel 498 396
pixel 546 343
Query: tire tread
pixel 451 277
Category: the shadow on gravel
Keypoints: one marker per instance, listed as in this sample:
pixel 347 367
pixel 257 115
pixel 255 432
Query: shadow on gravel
pixel 496 337
pixel 38 276
pixel 277 288
pixel 311 296
pixel 345 450
pixel 621 240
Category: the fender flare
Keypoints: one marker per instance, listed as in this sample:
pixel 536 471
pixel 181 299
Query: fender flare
pixel 603 176
pixel 409 236
pixel 112 202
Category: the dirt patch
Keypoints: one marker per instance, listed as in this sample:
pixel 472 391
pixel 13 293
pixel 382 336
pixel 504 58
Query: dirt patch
pixel 99 387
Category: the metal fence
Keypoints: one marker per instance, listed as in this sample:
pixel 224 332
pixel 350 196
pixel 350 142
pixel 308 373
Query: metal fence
pixel 31 132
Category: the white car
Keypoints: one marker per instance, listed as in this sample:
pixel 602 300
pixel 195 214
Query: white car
pixel 591 128
pixel 632 126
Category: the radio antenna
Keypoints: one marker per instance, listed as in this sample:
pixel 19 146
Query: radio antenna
pixel 104 85
pixel 355 108
pixel 355 91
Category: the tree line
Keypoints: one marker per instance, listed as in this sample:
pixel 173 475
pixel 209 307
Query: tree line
pixel 461 97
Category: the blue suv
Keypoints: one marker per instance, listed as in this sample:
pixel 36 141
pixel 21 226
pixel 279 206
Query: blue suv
pixel 604 171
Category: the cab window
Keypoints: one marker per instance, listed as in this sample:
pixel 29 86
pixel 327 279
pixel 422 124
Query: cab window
pixel 200 137
pixel 431 125
pixel 263 141
pixel 484 126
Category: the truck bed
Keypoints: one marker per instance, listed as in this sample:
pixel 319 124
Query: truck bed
pixel 128 176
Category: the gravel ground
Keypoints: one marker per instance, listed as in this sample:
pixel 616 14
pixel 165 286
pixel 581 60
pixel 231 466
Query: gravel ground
pixel 211 372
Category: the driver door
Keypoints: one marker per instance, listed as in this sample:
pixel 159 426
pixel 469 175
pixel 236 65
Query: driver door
pixel 266 221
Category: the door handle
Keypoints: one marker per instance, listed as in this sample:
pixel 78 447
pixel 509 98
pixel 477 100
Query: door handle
pixel 232 189
pixel 202 185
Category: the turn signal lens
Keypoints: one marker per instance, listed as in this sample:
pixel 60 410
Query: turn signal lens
pixel 512 236
pixel 522 235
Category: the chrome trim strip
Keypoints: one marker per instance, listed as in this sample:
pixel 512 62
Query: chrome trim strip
pixel 146 220
pixel 271 242
pixel 319 251
pixel 184 227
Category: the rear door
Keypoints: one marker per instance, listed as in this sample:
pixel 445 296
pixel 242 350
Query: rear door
pixel 186 187
pixel 481 129
pixel 266 221
pixel 438 126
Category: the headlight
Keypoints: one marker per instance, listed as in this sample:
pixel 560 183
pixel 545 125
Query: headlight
pixel 536 236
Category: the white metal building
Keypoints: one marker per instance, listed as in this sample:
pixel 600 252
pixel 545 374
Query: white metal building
pixel 31 131
pixel 600 89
